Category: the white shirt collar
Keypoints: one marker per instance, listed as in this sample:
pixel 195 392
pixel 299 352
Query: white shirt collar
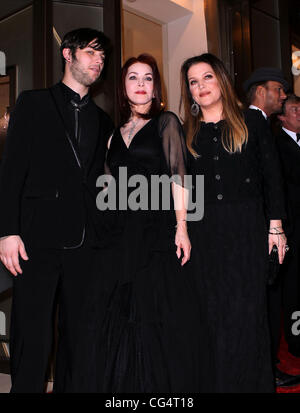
pixel 292 134
pixel 256 108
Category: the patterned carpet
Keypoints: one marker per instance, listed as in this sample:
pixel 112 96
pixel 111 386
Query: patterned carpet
pixel 289 364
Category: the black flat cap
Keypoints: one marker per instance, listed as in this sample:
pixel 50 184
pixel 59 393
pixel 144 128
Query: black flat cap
pixel 264 74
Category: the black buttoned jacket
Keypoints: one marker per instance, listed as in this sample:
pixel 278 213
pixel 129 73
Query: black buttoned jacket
pixel 46 196
pixel 252 174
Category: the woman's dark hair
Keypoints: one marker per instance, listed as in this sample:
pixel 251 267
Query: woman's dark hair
pixel 235 132
pixel 124 105
pixel 80 38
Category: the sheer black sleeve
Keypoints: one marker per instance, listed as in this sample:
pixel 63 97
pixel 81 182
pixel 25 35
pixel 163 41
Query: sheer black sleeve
pixel 174 147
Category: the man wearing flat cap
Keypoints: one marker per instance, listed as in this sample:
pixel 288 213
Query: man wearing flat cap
pixel 266 91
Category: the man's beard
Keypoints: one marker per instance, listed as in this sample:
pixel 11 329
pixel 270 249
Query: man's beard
pixel 276 109
pixel 81 77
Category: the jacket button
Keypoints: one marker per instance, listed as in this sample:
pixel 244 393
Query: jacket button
pixel 247 180
pixel 220 197
pixel 215 139
pixel 218 177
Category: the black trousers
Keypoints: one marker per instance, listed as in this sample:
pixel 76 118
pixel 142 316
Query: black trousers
pixel 284 296
pixel 49 277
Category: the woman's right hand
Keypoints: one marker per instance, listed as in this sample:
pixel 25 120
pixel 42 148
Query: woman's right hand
pixel 183 243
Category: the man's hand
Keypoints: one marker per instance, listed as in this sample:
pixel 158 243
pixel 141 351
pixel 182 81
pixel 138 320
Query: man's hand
pixel 10 248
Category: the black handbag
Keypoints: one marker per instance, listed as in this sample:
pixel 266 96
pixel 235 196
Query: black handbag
pixel 274 266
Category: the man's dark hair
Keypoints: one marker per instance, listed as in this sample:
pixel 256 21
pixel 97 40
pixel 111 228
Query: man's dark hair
pixel 252 90
pixel 80 38
pixel 291 98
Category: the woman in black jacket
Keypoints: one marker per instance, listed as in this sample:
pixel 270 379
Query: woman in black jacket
pixel 243 208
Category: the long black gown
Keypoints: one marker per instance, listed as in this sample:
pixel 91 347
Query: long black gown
pixel 229 261
pixel 143 313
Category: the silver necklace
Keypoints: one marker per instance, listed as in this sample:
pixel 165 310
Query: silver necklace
pixel 131 130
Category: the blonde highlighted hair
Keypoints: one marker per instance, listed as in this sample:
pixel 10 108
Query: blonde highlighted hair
pixel 235 132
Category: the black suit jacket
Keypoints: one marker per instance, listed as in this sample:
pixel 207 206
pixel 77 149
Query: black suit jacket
pixel 46 196
pixel 290 158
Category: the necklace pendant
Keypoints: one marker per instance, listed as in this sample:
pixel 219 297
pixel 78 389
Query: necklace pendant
pixel 131 130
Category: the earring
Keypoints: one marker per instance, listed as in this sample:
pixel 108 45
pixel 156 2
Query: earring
pixel 195 109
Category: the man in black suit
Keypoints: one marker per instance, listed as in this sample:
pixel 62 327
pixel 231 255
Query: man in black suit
pixel 54 153
pixel 288 140
pixel 266 92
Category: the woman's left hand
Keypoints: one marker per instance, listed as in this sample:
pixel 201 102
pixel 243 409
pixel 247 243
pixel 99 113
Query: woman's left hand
pixel 182 241
pixel 279 240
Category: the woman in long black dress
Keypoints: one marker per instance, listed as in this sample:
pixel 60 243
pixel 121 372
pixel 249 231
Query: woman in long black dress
pixel 141 327
pixel 243 208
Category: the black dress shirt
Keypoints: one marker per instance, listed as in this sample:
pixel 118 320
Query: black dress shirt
pixel 82 134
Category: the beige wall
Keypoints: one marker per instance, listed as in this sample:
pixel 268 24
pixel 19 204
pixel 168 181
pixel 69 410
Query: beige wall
pixel 141 35
pixel 183 38
pixel 183 33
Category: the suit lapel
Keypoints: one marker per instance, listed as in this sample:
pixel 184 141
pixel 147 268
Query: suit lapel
pixel 290 141
pixel 58 101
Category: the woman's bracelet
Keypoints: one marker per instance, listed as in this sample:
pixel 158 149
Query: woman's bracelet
pixel 276 233
pixel 178 222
